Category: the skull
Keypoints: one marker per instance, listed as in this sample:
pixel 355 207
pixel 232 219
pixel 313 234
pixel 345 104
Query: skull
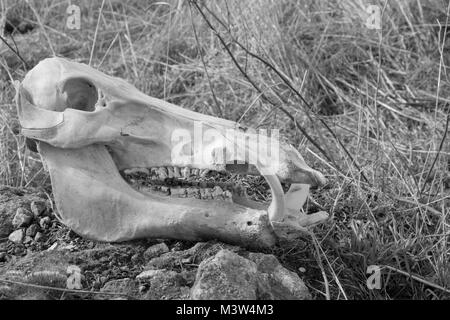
pixel 124 165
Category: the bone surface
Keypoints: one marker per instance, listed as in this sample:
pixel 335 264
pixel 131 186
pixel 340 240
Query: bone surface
pixel 117 173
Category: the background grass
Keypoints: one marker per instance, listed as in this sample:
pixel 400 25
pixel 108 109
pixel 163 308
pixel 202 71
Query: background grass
pixel 369 108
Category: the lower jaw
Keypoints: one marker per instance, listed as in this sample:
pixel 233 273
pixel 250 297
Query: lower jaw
pixel 98 204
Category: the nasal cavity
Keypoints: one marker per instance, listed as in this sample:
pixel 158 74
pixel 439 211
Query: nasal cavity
pixel 80 94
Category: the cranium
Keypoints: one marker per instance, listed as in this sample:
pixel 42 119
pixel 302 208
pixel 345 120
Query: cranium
pixel 92 130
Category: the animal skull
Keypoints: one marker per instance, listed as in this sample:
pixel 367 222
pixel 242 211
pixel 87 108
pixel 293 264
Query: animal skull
pixel 95 131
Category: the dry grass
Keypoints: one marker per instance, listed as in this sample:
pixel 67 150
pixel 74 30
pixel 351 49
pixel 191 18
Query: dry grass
pixel 375 117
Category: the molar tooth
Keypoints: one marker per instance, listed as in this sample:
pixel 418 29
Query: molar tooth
pixel 162 173
pixel 206 193
pixel 227 195
pixel 217 192
pixel 193 192
pixel 204 173
pixel 170 172
pixel 178 192
pixel 176 172
pixel 186 172
pixel 195 172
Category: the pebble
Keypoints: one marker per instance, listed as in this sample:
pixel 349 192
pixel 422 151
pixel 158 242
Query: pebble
pixel 38 208
pixel 22 218
pixel 17 236
pixel 45 222
pixel 156 250
pixel 28 239
pixel 39 237
pixel 32 230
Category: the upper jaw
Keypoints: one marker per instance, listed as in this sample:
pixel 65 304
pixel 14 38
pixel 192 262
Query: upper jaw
pixel 141 131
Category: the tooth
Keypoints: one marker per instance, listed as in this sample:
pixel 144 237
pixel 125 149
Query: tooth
pixel 176 172
pixel 296 197
pixel 178 192
pixel 186 172
pixel 217 192
pixel 204 173
pixel 165 190
pixel 193 192
pixel 162 173
pixel 206 193
pixel 227 195
pixel 170 172
pixel 154 170
pixel 195 172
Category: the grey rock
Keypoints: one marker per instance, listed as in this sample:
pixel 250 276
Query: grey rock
pixel 226 276
pixel 163 285
pixel 22 218
pixel 32 230
pixel 28 239
pixel 38 208
pixel 156 250
pixel 126 286
pixel 278 282
pixel 45 222
pixel 17 236
pixel 39 237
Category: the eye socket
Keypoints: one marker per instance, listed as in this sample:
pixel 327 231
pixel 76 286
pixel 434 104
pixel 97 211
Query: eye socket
pixel 80 94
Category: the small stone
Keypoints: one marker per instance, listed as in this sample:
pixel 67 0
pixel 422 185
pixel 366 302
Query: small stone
pixel 22 218
pixel 38 208
pixel 17 236
pixel 28 239
pixel 32 230
pixel 156 250
pixel 39 237
pixel 45 222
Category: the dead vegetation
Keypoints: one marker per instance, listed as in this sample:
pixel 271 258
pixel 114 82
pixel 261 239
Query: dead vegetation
pixel 367 107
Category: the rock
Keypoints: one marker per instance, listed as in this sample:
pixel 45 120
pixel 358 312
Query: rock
pixel 156 250
pixel 10 200
pixel 45 222
pixel 32 230
pixel 164 285
pixel 17 236
pixel 230 276
pixel 22 218
pixel 38 208
pixel 39 237
pixel 125 286
pixel 226 276
pixel 28 239
pixel 278 282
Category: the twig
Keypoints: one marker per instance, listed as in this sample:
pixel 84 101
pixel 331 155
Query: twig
pixel 444 136
pixel 286 81
pixel 37 286
pixel 16 52
pixel 218 108
pixel 412 276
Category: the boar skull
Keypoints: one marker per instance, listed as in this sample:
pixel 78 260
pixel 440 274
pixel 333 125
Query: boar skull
pixel 95 131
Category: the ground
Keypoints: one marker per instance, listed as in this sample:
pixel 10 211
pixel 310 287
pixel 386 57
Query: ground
pixel 367 107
